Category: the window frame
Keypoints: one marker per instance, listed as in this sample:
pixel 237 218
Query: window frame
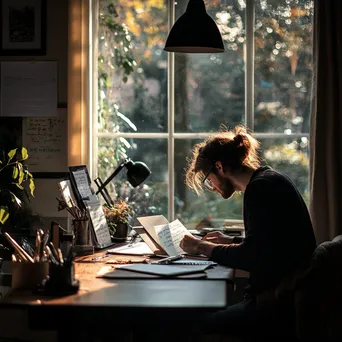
pixel 171 135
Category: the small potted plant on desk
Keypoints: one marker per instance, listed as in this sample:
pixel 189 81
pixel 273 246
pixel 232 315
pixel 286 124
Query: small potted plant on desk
pixel 118 216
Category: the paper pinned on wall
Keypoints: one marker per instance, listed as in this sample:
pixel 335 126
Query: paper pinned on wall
pixel 46 142
pixel 29 88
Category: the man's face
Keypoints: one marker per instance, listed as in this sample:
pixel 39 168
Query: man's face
pixel 221 184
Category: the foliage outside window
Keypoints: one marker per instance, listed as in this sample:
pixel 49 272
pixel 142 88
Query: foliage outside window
pixel 209 91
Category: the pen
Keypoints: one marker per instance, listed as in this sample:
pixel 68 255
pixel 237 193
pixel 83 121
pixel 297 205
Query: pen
pixel 169 260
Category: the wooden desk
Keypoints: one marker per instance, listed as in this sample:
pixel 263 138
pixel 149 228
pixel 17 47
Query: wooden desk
pixel 123 301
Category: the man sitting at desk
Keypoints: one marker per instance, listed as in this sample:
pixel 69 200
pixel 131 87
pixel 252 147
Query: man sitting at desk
pixel 279 236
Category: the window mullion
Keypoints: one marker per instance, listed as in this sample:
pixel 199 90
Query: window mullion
pixel 249 64
pixel 171 115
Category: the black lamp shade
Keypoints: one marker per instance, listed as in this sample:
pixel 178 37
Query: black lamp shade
pixel 137 172
pixel 195 32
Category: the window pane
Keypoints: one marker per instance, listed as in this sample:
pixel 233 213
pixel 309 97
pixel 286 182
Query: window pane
pixel 132 67
pixel 209 88
pixel 289 156
pixel 191 208
pixel 151 197
pixel 283 65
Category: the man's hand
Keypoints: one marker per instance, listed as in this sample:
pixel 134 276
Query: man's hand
pixel 191 245
pixel 218 237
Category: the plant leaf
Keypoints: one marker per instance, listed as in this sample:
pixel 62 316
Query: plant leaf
pixel 32 187
pixel 21 175
pixel 24 154
pixel 19 186
pixel 15 199
pixel 4 214
pixel 15 173
pixel 11 154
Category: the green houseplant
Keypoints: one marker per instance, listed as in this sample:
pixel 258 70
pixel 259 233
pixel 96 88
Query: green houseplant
pixel 15 180
pixel 118 216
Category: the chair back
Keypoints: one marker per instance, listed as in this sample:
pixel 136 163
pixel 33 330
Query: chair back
pixel 318 294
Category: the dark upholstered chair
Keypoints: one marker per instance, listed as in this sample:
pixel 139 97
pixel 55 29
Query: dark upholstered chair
pixel 318 295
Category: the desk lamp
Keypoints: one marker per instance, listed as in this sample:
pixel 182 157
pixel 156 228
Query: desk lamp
pixel 195 32
pixel 137 172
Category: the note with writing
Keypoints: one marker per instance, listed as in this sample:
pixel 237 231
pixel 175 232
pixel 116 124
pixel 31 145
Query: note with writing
pixel 86 196
pixel 170 236
pixel 46 142
pixel 99 223
pixel 83 183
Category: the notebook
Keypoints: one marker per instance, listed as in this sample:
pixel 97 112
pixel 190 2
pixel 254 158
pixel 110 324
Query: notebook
pixel 162 270
pixel 193 262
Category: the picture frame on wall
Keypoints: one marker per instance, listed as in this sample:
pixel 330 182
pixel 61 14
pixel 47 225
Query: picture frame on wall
pixel 23 27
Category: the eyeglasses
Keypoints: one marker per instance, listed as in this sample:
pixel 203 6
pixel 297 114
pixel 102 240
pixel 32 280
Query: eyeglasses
pixel 207 182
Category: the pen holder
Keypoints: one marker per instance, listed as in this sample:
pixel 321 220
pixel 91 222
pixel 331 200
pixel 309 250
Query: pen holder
pixel 61 279
pixel 28 275
pixel 81 232
pixel 82 245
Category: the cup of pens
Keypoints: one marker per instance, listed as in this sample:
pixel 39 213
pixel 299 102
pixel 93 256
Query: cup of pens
pixel 28 271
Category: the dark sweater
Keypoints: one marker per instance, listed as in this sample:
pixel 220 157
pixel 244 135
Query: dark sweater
pixel 279 235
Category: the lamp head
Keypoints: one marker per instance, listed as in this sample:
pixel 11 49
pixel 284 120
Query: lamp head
pixel 137 172
pixel 195 32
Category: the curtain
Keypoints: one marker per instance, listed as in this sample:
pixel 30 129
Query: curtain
pixel 79 100
pixel 326 121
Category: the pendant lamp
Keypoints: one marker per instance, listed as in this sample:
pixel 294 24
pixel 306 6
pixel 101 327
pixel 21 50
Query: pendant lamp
pixel 195 32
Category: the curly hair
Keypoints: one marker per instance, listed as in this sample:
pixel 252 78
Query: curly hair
pixel 236 149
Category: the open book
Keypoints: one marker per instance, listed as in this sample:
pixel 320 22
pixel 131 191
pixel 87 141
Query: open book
pixel 161 236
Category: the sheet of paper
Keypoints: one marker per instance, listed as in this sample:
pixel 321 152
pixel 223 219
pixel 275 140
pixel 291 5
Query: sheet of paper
pixel 139 248
pixel 66 192
pixel 170 236
pixel 29 88
pixel 82 183
pixel 46 142
pixel 99 223
pixel 149 222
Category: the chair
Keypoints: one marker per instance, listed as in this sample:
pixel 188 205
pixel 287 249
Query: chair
pixel 318 295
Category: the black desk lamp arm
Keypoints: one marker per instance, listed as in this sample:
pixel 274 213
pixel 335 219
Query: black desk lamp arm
pixel 109 179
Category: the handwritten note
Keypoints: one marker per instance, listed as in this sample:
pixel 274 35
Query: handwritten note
pixel 81 179
pixel 170 236
pixel 46 142
pixel 99 222
pixel 83 183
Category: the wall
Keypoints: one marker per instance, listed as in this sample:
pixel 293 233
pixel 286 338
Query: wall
pixel 45 203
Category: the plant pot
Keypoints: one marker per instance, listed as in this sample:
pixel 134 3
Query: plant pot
pixel 121 232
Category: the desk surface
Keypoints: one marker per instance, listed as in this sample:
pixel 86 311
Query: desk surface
pixel 148 293
pixel 101 299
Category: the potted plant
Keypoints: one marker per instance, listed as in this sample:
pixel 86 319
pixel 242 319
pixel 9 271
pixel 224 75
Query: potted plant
pixel 118 216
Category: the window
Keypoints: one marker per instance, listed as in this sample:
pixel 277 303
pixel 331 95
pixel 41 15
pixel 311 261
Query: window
pixel 154 106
